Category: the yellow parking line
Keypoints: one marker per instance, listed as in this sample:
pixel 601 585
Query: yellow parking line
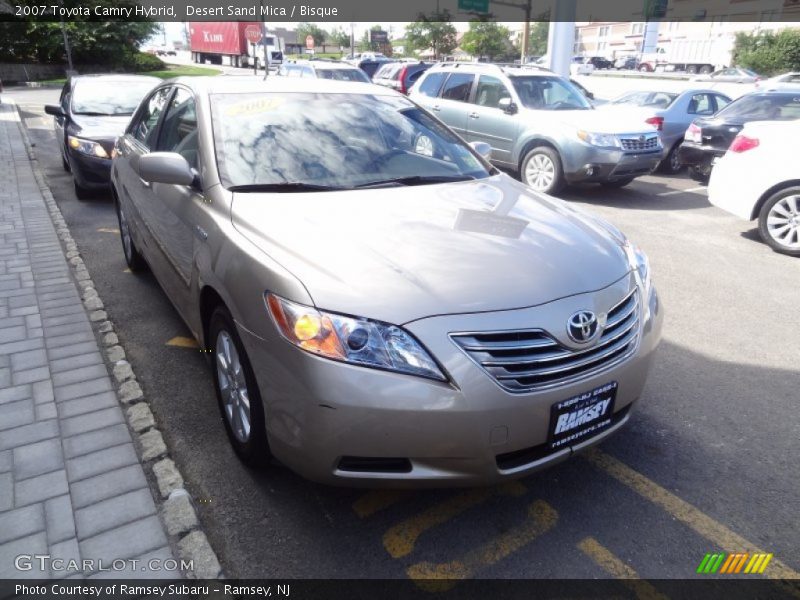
pixel 440 577
pixel 712 530
pixel 616 568
pixel 377 500
pixel 108 230
pixel 182 342
pixel 400 539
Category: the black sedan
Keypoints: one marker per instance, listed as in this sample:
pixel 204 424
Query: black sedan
pixel 92 112
pixel 708 138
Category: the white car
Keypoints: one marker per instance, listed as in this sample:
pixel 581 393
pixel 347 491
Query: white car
pixel 579 66
pixel 787 81
pixel 757 179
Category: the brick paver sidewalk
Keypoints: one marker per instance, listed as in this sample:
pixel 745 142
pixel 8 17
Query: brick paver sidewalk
pixel 71 484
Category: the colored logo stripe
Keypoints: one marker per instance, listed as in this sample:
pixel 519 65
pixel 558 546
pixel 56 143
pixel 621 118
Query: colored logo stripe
pixel 734 563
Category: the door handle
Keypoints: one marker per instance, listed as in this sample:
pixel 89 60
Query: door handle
pixel 144 183
pixel 436 108
pixel 474 115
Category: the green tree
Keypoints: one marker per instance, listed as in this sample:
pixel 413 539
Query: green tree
pixel 486 38
pixel 767 52
pixel 340 37
pixel 306 29
pixel 537 41
pixel 433 31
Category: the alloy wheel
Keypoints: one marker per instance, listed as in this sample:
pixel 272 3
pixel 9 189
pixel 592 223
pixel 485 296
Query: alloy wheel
pixel 124 230
pixel 540 172
pixel 233 387
pixel 783 222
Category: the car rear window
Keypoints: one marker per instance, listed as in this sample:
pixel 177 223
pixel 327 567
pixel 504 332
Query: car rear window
pixel 343 75
pixel 431 85
pixel 764 107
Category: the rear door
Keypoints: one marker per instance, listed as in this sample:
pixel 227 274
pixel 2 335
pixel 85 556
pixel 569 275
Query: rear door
pixel 453 107
pixel 487 122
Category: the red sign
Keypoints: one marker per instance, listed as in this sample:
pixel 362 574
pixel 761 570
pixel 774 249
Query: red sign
pixel 310 42
pixel 252 33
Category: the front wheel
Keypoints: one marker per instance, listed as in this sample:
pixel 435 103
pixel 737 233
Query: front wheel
pixel 701 174
pixel 237 392
pixel 617 183
pixel 779 221
pixel 541 170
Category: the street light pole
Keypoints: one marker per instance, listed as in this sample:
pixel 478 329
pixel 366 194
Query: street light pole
pixel 66 40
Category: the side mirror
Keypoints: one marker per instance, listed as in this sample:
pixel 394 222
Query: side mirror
pixel 166 167
pixel 589 95
pixel 53 109
pixel 482 148
pixel 507 106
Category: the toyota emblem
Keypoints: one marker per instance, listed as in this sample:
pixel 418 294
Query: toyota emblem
pixel 582 326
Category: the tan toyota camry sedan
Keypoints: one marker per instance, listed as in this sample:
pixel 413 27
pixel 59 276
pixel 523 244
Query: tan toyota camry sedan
pixel 381 305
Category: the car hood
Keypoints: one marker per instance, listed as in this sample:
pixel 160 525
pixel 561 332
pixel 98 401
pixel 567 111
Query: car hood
pixel 403 253
pixel 611 122
pixel 99 128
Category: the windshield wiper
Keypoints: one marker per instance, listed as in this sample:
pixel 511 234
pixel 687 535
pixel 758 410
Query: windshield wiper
pixel 416 180
pixel 94 114
pixel 286 186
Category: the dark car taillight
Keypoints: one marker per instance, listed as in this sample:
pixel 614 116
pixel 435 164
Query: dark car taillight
pixel 693 134
pixel 657 122
pixel 742 143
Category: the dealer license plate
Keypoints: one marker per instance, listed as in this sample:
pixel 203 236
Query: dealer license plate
pixel 582 416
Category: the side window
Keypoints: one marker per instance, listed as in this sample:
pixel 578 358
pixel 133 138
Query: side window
pixel 431 85
pixel 490 91
pixel 144 128
pixel 458 86
pixel 307 72
pixel 179 131
pixel 700 104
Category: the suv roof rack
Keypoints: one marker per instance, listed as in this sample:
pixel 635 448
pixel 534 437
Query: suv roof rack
pixel 502 67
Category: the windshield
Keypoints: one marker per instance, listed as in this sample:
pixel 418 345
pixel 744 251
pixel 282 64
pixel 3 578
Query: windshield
pixel 336 141
pixel 99 97
pixel 772 107
pixel 343 74
pixel 647 99
pixel 549 93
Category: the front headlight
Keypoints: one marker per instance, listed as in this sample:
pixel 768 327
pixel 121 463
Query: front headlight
pixel 641 265
pixel 351 339
pixel 87 147
pixel 603 140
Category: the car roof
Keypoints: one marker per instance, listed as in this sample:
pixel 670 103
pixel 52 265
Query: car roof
pixel 493 68
pixel 255 83
pixel 112 78
pixel 328 64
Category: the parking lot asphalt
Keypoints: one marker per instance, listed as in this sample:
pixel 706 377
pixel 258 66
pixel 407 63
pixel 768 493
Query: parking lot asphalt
pixel 707 463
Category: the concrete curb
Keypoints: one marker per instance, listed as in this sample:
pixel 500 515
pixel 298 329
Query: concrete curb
pixel 177 513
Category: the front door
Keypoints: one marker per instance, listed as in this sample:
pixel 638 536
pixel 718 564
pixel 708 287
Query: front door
pixel 487 122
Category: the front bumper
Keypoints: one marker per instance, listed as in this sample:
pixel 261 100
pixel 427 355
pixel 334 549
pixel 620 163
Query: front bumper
pixel 468 432
pixel 91 172
pixel 589 164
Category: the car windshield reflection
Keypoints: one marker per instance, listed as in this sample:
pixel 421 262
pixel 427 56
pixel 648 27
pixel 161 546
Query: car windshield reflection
pixel 291 142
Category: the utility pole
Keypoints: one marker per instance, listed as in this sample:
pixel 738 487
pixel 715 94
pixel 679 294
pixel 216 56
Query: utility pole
pixel 264 41
pixel 66 40
pixel 526 28
pixel 352 39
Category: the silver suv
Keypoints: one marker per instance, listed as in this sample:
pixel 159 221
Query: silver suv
pixel 539 125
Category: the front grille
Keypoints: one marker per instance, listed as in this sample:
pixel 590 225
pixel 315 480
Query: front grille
pixel 645 143
pixel 522 361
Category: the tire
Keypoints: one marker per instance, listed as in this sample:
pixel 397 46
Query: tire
pixel 671 165
pixel 81 192
pixel 705 70
pixel 691 69
pixel 699 174
pixel 541 170
pixel 779 221
pixel 617 183
pixel 243 418
pixel 135 261
pixel 644 68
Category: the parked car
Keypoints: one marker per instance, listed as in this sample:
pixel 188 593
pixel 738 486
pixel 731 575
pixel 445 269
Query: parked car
pixel 400 76
pixel 92 111
pixel 730 75
pixel 708 138
pixel 780 82
pixel 366 319
pixel 595 101
pixel 627 63
pixel 670 113
pixel 579 67
pixel 371 65
pixel 322 69
pixel 756 179
pixel 539 125
pixel 599 62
